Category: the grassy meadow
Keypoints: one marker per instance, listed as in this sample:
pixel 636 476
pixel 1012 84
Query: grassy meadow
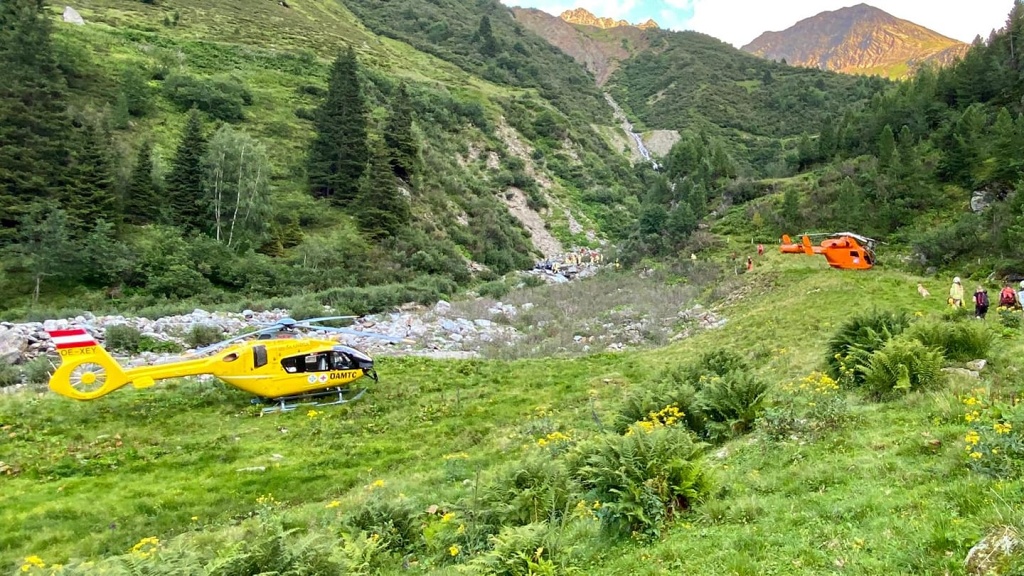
pixel 886 488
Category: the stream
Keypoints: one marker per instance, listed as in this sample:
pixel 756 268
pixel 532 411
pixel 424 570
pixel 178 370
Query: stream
pixel 628 128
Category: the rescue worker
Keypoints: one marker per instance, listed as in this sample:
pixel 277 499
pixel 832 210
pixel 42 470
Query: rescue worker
pixel 750 263
pixel 956 294
pixel 1007 297
pixel 980 303
pixel 1020 294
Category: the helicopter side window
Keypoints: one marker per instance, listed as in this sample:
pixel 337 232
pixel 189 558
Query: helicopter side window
pixel 291 365
pixel 259 356
pixel 854 253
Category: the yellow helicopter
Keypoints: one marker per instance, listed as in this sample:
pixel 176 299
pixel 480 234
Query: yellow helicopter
pixel 275 363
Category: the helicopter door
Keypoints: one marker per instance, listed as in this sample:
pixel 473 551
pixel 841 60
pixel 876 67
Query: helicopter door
pixel 259 356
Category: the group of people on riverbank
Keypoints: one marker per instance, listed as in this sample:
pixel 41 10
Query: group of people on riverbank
pixel 1008 297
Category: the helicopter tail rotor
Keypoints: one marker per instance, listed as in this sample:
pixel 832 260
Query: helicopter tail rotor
pixel 86 370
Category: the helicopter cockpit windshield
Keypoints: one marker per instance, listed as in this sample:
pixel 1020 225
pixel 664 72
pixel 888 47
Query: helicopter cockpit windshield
pixel 318 362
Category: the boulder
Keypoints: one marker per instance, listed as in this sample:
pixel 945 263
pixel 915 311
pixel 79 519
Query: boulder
pixel 71 16
pixel 12 346
pixel 442 308
pixel 962 372
pixel 992 553
pixel 977 365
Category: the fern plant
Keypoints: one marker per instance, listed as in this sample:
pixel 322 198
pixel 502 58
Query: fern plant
pixel 667 391
pixel 395 522
pixel 731 404
pixel 902 365
pixel 958 341
pixel 643 478
pixel 530 491
pixel 520 551
pixel 857 338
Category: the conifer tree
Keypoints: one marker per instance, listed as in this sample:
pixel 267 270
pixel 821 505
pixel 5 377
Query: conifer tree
pixel 382 211
pixel 90 196
pixel 886 146
pixel 34 124
pixel 185 181
pixel 142 203
pixel 398 135
pixel 486 35
pixel 338 154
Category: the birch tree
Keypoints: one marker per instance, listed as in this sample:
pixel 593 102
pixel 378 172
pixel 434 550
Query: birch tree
pixel 237 172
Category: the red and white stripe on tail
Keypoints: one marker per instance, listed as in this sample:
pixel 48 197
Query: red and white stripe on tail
pixel 72 338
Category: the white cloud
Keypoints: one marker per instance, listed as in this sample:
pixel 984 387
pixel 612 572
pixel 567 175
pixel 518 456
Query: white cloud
pixel 740 21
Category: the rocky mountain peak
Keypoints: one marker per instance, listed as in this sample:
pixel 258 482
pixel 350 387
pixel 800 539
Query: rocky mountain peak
pixel 584 17
pixel 859 39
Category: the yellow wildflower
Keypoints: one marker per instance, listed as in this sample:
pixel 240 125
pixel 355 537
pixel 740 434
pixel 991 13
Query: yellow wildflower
pixel 972 438
pixel 333 504
pixel 453 550
pixel 448 517
pixel 312 414
pixel 976 455
pixel 1003 428
pixel 461 530
pixel 32 561
pixel 376 484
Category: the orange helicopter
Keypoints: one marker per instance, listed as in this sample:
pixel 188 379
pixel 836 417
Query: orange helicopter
pixel 275 363
pixel 844 250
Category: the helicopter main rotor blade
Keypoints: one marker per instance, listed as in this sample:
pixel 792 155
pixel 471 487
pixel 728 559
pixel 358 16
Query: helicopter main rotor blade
pixel 221 344
pixel 394 339
pixel 326 319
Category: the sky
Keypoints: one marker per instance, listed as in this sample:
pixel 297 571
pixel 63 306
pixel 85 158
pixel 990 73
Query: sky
pixel 740 21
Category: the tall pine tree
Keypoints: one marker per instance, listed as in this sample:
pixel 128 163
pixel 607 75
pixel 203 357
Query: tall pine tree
pixel 338 154
pixel 185 181
pixel 91 196
pixel 398 135
pixel 486 35
pixel 142 203
pixel 34 124
pixel 382 211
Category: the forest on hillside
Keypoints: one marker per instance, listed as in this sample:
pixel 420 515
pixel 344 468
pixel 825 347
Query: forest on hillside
pixel 353 199
pixel 158 181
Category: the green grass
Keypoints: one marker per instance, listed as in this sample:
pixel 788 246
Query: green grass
pixel 889 493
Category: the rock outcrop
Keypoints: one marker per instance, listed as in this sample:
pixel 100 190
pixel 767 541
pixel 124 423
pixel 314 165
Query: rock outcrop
pixel 858 40
pixel 584 17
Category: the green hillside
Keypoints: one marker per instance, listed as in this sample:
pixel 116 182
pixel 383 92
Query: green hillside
pixel 129 77
pixel 692 82
pixel 487 466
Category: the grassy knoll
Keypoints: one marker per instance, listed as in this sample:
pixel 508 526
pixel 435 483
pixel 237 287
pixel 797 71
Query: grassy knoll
pixel 886 492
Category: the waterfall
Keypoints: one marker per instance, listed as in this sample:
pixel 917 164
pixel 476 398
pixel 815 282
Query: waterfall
pixel 628 128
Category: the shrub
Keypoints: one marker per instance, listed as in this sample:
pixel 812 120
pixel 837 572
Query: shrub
pixel 517 551
pixel 810 407
pixel 857 338
pixel 960 341
pixel 123 338
pixel 902 365
pixel 716 363
pixel 642 479
pixel 220 98
pixel 496 289
pixel 994 445
pixel 150 344
pixel 203 335
pixel 533 490
pixel 1009 317
pixel 9 375
pixel 731 403
pixel 670 390
pixel 395 521
pixel 38 370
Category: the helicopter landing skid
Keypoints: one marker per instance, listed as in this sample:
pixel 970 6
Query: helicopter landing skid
pixel 290 403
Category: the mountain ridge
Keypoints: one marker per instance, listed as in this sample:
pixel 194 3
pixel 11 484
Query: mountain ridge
pixel 583 17
pixel 860 39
